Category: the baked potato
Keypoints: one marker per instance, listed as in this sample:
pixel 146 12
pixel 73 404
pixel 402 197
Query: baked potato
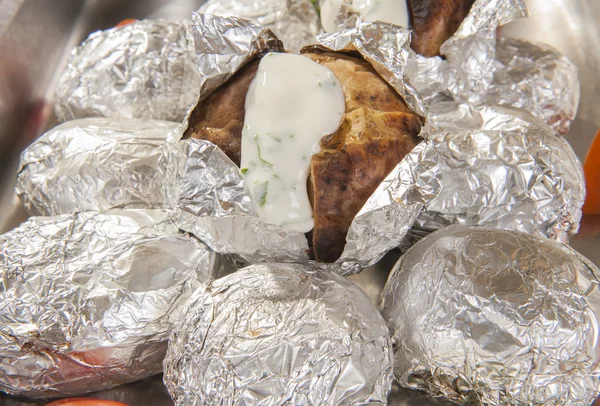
pixel 434 21
pixel 377 131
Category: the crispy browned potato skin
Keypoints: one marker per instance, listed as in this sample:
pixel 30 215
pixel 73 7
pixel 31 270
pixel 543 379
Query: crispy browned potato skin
pixel 377 131
pixel 220 118
pixel 434 21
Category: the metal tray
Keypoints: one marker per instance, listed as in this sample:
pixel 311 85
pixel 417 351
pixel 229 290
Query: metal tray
pixel 36 37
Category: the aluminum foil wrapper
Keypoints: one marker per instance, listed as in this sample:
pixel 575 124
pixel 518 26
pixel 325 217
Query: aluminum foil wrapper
pixel 387 47
pixel 495 317
pixel 279 334
pixel 295 22
pixel 146 69
pixel 95 164
pixel 88 300
pixel 495 167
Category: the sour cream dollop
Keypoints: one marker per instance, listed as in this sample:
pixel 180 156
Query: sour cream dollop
pixel 291 104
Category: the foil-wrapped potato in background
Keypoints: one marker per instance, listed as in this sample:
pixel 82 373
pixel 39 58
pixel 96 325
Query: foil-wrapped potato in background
pixel 95 164
pixel 495 317
pixel 88 300
pixel 279 334
pixel 491 166
pixel 146 69
pixel 295 22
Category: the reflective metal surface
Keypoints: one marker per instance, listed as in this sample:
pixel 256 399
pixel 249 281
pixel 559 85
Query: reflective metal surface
pixel 36 36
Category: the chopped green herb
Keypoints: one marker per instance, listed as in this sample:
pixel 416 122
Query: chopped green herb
pixel 334 82
pixel 319 82
pixel 275 176
pixel 275 138
pixel 259 156
pixel 263 198
pixel 292 135
pixel 265 161
pixel 315 3
pixel 244 171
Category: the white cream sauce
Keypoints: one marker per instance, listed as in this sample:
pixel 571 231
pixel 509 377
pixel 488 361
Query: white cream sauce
pixel 389 11
pixel 291 104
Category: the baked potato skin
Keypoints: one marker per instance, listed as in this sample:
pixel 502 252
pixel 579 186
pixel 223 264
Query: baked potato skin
pixel 220 118
pixel 377 132
pixel 434 21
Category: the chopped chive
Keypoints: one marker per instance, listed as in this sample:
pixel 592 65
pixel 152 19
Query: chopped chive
pixel 244 171
pixel 265 161
pixel 292 135
pixel 275 176
pixel 263 198
pixel 319 82
pixel 259 155
pixel 275 138
pixel 334 83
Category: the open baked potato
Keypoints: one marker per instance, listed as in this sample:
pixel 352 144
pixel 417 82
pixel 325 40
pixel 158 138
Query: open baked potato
pixel 377 131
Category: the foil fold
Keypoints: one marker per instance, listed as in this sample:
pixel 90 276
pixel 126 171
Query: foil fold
pixel 146 70
pixel 95 164
pixel 279 334
pixel 88 300
pixel 482 316
pixel 295 22
pixel 493 166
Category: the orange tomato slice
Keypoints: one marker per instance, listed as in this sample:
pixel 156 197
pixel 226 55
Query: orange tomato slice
pixel 85 402
pixel 125 22
pixel 591 168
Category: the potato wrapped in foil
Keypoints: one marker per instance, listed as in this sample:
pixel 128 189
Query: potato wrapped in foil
pixel 88 300
pixel 491 166
pixel 279 334
pixel 495 317
pixel 146 69
pixel 94 164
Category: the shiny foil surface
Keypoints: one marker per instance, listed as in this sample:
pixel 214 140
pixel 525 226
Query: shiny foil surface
pixel 496 167
pixel 146 69
pixel 95 164
pixel 495 317
pixel 88 300
pixel 295 22
pixel 278 334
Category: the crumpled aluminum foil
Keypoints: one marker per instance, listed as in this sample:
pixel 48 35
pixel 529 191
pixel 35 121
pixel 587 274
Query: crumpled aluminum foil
pixel 95 164
pixel 206 189
pixel 481 69
pixel 146 69
pixel 495 317
pixel 88 300
pixel 295 22
pixel 279 334
pixel 492 166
